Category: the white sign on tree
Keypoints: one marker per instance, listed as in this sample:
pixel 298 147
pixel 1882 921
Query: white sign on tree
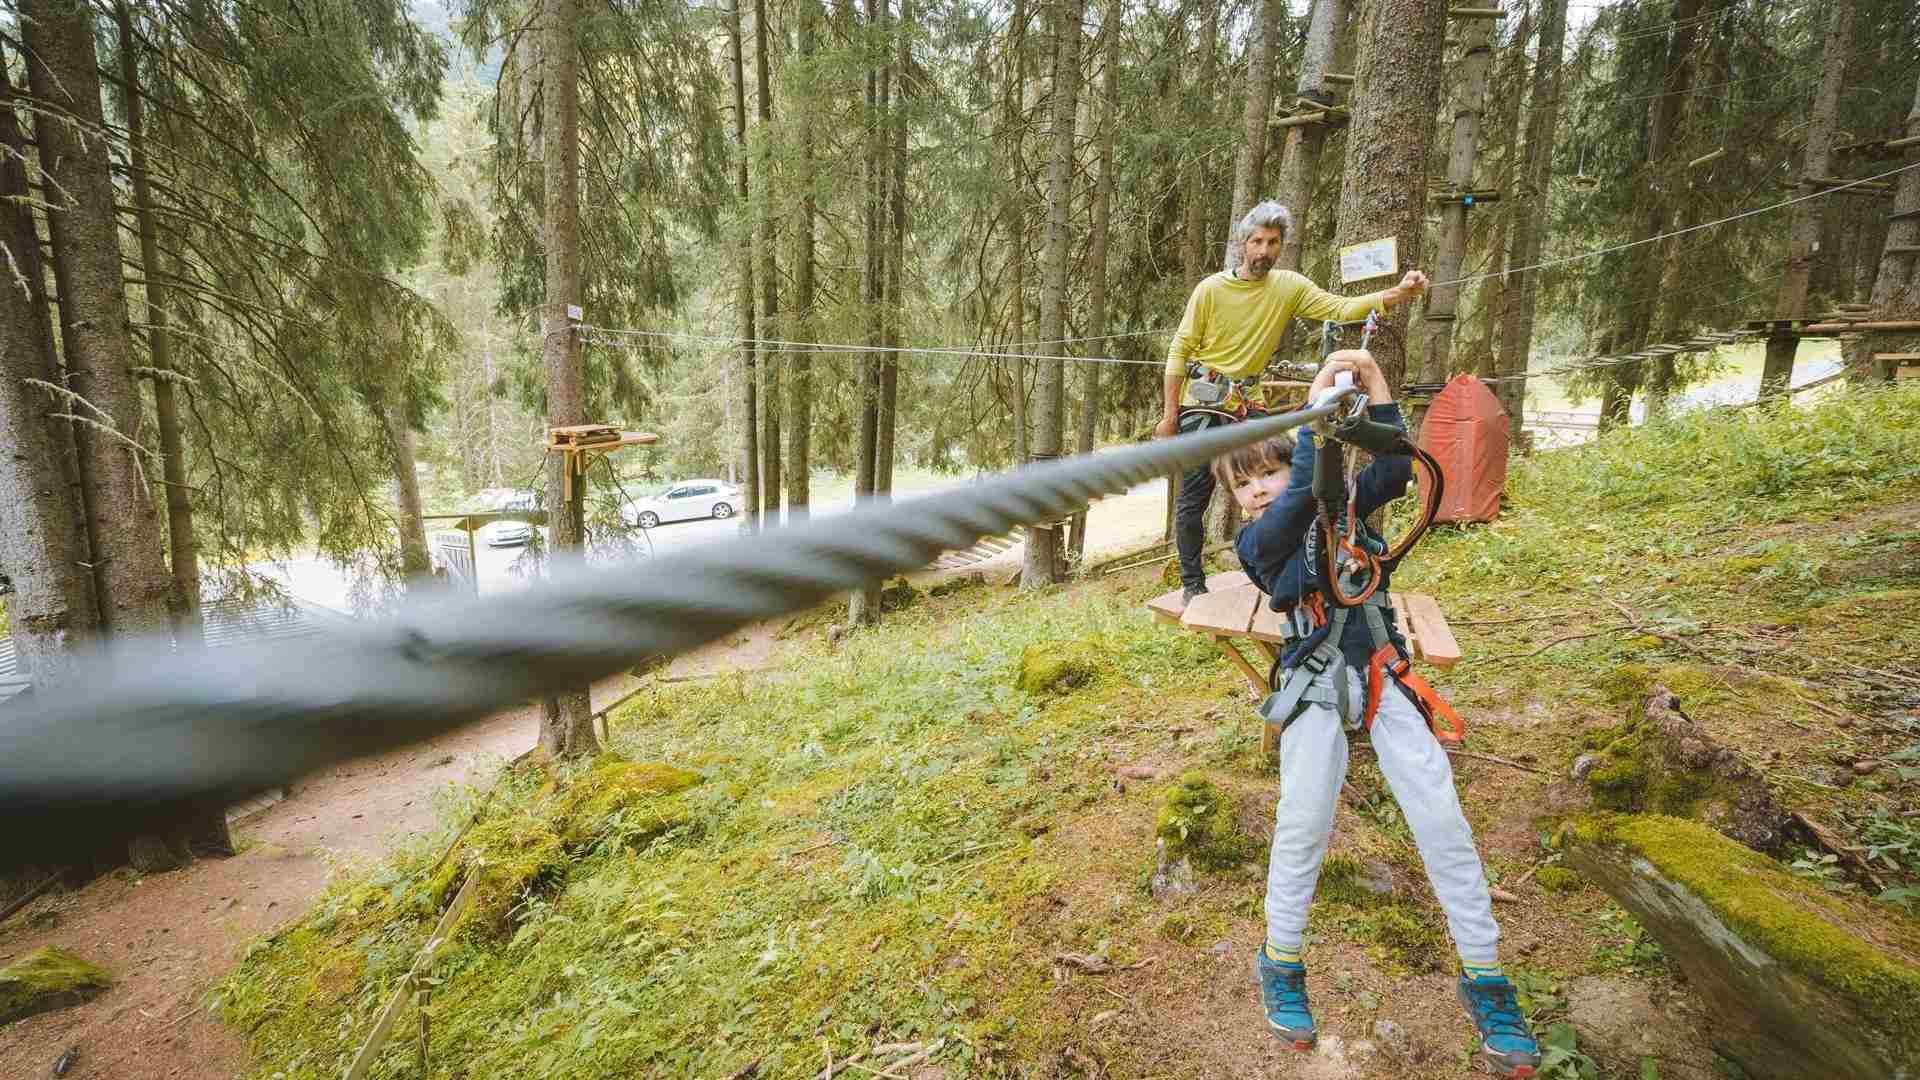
pixel 1375 258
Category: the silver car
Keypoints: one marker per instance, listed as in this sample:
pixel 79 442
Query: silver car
pixel 685 501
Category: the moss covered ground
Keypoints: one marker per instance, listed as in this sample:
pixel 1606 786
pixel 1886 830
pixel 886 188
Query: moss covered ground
pixel 889 839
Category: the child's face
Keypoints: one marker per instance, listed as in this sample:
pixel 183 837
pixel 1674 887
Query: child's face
pixel 1254 490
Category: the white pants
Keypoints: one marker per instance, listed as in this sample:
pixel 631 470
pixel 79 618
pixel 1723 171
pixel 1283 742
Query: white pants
pixel 1313 766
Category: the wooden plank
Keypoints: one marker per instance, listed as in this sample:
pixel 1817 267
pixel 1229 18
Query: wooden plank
pixel 1437 644
pixel 1907 372
pixel 1896 356
pixel 383 1027
pixel 1227 579
pixel 1222 612
pixel 1404 621
pixel 1168 606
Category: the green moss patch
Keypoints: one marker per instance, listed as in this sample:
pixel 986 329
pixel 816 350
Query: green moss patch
pixel 1197 823
pixel 1861 951
pixel 1559 879
pixel 633 796
pixel 1343 881
pixel 45 979
pixel 510 855
pixel 1054 667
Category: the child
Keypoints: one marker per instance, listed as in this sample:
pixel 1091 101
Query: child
pixel 1277 499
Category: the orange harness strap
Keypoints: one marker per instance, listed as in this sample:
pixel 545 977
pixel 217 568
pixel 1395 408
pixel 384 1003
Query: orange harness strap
pixel 1387 663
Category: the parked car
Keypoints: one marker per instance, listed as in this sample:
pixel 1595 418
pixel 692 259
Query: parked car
pixel 684 501
pixel 510 533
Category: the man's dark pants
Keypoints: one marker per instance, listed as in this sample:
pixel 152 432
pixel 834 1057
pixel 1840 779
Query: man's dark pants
pixel 1190 524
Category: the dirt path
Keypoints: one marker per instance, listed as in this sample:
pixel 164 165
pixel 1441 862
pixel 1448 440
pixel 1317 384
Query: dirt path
pixel 166 937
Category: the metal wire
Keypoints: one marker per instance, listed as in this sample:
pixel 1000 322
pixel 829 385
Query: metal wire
pixel 143 723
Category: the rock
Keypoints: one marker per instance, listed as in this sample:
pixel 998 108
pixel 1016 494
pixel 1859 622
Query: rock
pixel 1345 880
pixel 1392 1038
pixel 1800 981
pixel 1866 768
pixel 1172 878
pixel 1221 949
pixel 45 979
pixel 1661 762
pixel 1137 772
pixel 1616 1017
pixel 1585 764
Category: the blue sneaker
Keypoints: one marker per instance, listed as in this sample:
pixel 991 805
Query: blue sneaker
pixel 1506 1045
pixel 1283 988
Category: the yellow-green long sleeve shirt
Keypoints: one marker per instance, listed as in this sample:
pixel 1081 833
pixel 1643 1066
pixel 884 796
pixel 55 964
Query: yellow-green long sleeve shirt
pixel 1233 326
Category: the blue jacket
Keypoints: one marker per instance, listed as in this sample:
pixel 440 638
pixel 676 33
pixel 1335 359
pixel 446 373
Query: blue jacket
pixel 1272 548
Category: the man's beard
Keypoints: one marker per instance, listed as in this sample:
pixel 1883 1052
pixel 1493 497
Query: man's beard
pixel 1259 266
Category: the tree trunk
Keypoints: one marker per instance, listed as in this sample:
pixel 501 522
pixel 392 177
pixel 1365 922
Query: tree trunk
pixel 1528 220
pixel 863 606
pixel 184 557
pixel 1384 192
pixel 42 545
pixel 800 375
pixel 1016 214
pixel 1804 234
pixel 1194 184
pixel 568 730
pixel 392 410
pixel 1250 166
pixel 767 244
pixel 749 377
pixel 1896 283
pixel 130 580
pixel 1663 117
pixel 1300 160
pixel 887 422
pixel 1045 563
pixel 1444 301
pixel 1097 261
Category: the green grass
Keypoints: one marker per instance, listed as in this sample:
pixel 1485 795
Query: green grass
pixel 1734 365
pixel 881 832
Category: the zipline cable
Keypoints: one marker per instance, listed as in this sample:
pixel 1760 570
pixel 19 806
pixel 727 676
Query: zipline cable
pixel 140 723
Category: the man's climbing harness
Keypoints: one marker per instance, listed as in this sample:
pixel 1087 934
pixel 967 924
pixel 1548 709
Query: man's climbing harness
pixel 1348 561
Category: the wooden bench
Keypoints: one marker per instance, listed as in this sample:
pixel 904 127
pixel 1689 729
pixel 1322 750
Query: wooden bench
pixel 1232 607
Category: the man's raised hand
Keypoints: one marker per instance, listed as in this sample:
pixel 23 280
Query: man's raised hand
pixel 1413 284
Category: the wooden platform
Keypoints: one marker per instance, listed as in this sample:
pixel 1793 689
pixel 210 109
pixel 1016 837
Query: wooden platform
pixel 1232 607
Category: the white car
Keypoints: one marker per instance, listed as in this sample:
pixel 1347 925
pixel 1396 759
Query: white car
pixel 510 533
pixel 685 501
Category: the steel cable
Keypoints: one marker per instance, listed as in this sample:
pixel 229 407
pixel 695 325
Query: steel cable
pixel 141 723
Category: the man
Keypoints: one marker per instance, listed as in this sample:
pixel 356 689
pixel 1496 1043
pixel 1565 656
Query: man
pixel 1234 322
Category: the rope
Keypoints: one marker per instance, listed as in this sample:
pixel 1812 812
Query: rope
pixel 142 723
pixel 828 346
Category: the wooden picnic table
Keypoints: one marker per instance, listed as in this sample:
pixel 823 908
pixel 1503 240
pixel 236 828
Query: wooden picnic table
pixel 1233 607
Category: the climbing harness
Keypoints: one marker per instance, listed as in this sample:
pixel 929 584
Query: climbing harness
pixel 1351 562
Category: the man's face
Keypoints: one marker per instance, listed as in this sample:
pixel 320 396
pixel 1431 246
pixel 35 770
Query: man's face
pixel 1255 490
pixel 1258 252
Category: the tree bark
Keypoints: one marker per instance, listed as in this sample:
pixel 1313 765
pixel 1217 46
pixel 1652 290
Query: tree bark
pixel 184 562
pixel 1663 117
pixel 1776 374
pixel 1097 260
pixel 130 579
pixel 1045 562
pixel 1300 159
pixel 767 243
pixel 1384 192
pixel 415 563
pixel 1528 219
pixel 1194 183
pixel 1250 165
pixel 886 427
pixel 863 606
pixel 1896 282
pixel 1016 214
pixel 749 375
pixel 799 374
pixel 568 730
pixel 1444 301
pixel 42 545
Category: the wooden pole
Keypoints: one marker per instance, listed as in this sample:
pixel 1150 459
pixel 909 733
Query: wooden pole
pixel 1443 302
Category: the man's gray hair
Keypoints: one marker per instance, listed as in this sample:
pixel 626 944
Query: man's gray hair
pixel 1266 215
